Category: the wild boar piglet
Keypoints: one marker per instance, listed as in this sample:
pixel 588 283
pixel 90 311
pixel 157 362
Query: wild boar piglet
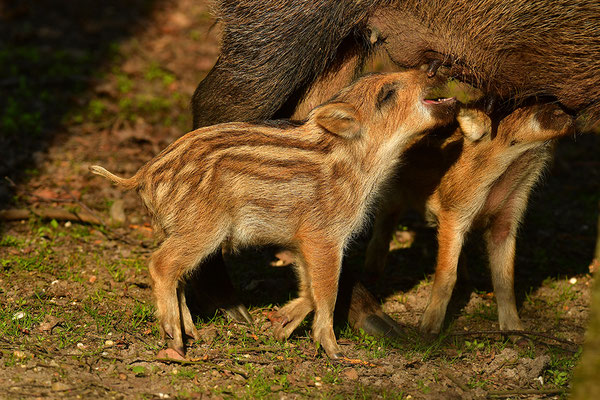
pixel 304 186
pixel 467 180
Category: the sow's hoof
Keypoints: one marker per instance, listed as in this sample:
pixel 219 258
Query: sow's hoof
pixel 380 325
pixel 238 313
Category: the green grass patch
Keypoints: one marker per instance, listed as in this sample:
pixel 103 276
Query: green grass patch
pixel 11 241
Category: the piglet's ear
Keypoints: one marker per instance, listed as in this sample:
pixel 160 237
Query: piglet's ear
pixel 474 123
pixel 341 119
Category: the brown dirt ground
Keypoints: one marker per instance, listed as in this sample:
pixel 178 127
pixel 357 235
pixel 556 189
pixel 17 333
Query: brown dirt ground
pixel 111 85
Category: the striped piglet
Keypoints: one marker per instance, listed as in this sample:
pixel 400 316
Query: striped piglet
pixel 305 186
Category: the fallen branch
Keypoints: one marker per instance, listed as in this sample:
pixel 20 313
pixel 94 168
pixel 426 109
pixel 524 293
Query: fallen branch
pixel 84 206
pixel 253 350
pixel 517 392
pixel 59 214
pixel 86 216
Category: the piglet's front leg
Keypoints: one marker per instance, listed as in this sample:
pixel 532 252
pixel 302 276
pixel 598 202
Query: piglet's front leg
pixel 450 241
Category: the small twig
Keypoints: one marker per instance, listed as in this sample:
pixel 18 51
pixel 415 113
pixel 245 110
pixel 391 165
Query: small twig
pixel 119 359
pixel 206 363
pixel 516 392
pixel 517 333
pixel 255 360
pixel 10 182
pixel 84 206
pixel 253 350
pixel 457 381
pixel 100 386
pixel 567 348
pixel 38 365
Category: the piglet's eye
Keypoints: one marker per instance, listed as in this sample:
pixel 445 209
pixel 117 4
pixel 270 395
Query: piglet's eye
pixel 386 94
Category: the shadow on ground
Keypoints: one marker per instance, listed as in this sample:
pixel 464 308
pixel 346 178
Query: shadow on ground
pixel 51 51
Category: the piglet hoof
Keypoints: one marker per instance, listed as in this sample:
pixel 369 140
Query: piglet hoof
pixel 279 330
pixel 167 331
pixel 279 323
pixel 428 333
pixel 520 341
pixel 381 326
pixel 239 313
pixel 431 323
pixel 191 333
pixel 277 318
pixel 335 354
pixel 428 337
pixel 170 354
pixel 177 348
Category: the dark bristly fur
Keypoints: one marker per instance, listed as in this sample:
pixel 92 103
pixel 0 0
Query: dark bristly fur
pixel 274 51
pixel 517 48
pixel 468 180
pixel 306 187
pixel 251 31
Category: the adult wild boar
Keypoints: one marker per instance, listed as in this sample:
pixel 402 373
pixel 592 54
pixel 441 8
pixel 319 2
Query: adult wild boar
pixel 273 52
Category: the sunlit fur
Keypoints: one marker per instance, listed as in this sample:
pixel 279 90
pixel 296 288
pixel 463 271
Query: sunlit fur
pixel 307 187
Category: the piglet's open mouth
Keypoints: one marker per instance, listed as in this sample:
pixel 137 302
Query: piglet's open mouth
pixel 442 100
pixel 442 108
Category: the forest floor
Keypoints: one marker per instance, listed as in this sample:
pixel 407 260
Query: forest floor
pixel 101 82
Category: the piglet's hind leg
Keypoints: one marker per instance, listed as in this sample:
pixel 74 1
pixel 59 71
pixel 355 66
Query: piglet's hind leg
pixel 323 265
pixel 168 266
pixel 186 316
pixel 294 312
pixel 501 242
